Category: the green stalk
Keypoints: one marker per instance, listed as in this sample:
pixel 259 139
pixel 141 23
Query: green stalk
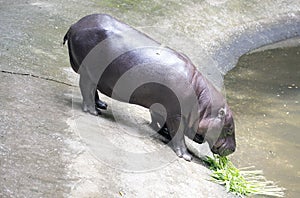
pixel 241 182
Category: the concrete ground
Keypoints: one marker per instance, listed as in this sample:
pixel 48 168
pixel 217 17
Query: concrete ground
pixel 50 148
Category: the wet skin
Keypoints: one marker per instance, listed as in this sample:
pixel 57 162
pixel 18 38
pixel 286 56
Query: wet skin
pixel 103 50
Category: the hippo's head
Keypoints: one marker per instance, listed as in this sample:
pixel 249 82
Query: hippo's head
pixel 219 131
pixel 225 143
pixel 217 128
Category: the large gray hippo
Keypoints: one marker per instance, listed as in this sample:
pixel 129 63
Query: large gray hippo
pixel 129 66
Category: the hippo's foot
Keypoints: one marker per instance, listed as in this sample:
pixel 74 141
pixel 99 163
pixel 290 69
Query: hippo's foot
pixel 100 104
pixel 91 109
pixel 183 153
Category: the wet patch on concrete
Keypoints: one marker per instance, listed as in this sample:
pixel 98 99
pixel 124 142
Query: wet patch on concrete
pixel 33 154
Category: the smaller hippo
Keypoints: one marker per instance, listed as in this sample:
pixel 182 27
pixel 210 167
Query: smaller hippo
pixel 127 65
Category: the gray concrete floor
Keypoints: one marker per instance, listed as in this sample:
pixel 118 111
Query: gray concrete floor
pixel 46 149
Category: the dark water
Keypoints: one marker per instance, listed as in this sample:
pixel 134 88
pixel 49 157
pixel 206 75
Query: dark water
pixel 264 92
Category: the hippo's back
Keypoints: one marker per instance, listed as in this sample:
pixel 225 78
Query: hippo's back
pixel 91 30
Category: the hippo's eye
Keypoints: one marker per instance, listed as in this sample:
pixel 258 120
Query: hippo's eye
pixel 221 113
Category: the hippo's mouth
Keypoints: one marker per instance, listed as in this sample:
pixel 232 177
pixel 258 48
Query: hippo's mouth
pixel 222 148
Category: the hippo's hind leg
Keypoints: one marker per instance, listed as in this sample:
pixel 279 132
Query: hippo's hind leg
pixel 99 103
pixel 176 131
pixel 158 123
pixel 88 90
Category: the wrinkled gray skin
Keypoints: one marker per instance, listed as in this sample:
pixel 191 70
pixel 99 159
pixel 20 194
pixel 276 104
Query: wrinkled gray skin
pixel 103 50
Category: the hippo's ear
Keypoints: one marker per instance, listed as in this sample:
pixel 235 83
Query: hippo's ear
pixel 222 113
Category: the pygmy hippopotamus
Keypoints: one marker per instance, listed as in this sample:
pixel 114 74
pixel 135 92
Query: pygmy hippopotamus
pixel 127 65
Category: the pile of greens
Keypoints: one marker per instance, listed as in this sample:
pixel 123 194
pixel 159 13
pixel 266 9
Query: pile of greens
pixel 241 182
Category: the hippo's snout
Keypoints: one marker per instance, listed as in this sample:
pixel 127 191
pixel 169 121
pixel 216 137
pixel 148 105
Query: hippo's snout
pixel 224 152
pixel 224 147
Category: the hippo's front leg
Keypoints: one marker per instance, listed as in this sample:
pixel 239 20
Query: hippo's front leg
pixel 88 91
pixel 177 134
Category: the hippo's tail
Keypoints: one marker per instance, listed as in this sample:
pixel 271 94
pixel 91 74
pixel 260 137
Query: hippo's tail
pixel 66 37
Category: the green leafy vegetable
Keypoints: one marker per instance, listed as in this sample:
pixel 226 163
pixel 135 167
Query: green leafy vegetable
pixel 241 182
